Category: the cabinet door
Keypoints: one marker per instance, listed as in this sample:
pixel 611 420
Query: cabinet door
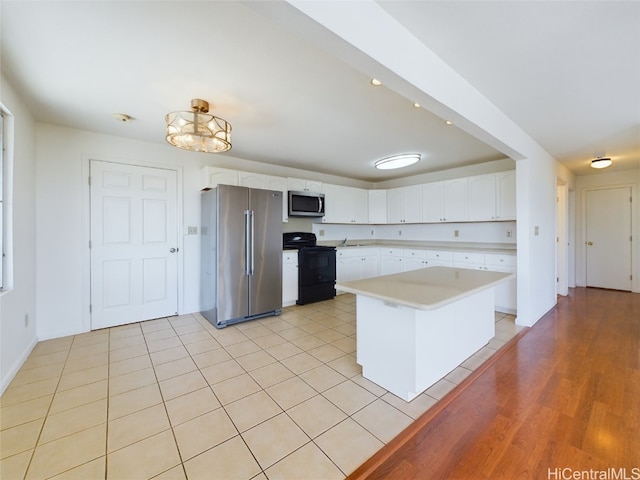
pixel 454 200
pixel 360 198
pixel 369 266
pixel 252 180
pixel 481 191
pixel 334 197
pixel 412 204
pixel 506 195
pixel 348 269
pixel 377 206
pixel 289 279
pixel 432 202
pixel 412 264
pixel 213 176
pixel 394 206
pixel 389 265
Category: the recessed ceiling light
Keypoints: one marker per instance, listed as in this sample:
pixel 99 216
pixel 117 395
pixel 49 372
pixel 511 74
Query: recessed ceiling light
pixel 601 162
pixel 375 82
pixel 397 161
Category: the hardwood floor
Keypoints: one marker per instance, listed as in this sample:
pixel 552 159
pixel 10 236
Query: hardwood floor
pixel 561 400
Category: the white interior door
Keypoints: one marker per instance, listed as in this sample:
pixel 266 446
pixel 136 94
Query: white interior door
pixel 608 238
pixel 133 243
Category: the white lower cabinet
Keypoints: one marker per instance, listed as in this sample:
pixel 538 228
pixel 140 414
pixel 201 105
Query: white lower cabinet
pixel 506 294
pixel 390 260
pixel 413 259
pixel 356 263
pixel 289 277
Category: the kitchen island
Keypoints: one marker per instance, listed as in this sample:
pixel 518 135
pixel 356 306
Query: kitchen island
pixel 415 327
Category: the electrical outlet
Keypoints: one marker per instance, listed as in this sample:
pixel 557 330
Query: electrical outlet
pixel 456 233
pixel 509 234
pixel 536 230
pixel 399 233
pixel 321 233
pixel 192 230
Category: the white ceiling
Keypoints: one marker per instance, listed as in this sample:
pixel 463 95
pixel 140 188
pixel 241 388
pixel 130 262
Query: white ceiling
pixel 566 72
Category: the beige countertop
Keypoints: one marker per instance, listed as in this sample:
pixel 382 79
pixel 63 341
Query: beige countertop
pixel 505 248
pixel 426 288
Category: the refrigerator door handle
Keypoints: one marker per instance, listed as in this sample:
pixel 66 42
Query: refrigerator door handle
pixel 247 242
pixel 252 243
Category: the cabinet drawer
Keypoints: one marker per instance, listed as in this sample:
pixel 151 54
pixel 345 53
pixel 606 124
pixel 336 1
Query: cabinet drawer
pixel 290 256
pixel 350 252
pixel 440 255
pixel 391 252
pixel 500 259
pixel 414 253
pixel 468 257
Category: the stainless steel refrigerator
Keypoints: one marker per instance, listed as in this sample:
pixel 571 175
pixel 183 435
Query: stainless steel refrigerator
pixel 241 251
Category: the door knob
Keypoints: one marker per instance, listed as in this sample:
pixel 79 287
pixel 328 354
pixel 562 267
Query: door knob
pixel 173 250
pixel 590 243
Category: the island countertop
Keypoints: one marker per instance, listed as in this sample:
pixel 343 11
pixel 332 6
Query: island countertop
pixel 426 288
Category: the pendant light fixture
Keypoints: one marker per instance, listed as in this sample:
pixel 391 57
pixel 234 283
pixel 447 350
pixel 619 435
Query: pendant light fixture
pixel 397 161
pixel 197 130
pixel 601 162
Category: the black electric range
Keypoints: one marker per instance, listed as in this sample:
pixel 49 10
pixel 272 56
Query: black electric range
pixel 316 267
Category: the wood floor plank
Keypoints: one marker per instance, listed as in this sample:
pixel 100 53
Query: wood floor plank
pixel 564 395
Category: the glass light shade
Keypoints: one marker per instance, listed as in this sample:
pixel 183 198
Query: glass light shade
pixel 397 161
pixel 601 163
pixel 197 130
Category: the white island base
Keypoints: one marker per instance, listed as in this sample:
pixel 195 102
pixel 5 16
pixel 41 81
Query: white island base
pixel 414 328
pixel 406 350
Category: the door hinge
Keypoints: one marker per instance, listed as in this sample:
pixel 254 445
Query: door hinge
pixel 90 308
pixel 89 180
pixel 89 243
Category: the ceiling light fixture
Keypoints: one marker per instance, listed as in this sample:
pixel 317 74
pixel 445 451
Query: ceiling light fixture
pixel 601 162
pixel 448 122
pixel 397 161
pixel 416 104
pixel 375 82
pixel 197 130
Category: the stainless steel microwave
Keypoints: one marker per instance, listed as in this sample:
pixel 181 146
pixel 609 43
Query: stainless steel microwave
pixel 306 204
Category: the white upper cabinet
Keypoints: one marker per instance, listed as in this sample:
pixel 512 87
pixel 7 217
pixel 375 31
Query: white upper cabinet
pixel 377 206
pixel 432 198
pixel 213 176
pixel 454 200
pixel 302 185
pixel 492 196
pixel 404 205
pixel 345 204
pixel 482 197
pixel 506 195
pixel 445 201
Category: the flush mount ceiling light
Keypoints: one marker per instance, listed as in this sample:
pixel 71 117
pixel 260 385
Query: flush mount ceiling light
pixel 397 161
pixel 197 130
pixel 375 82
pixel 601 162
pixel 122 117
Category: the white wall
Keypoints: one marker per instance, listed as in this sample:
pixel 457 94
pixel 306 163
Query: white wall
pixel 607 179
pixel 17 339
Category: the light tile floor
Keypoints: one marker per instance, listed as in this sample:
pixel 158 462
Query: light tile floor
pixel 276 398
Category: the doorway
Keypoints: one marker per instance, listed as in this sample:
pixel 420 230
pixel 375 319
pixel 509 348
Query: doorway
pixel 608 238
pixel 133 247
